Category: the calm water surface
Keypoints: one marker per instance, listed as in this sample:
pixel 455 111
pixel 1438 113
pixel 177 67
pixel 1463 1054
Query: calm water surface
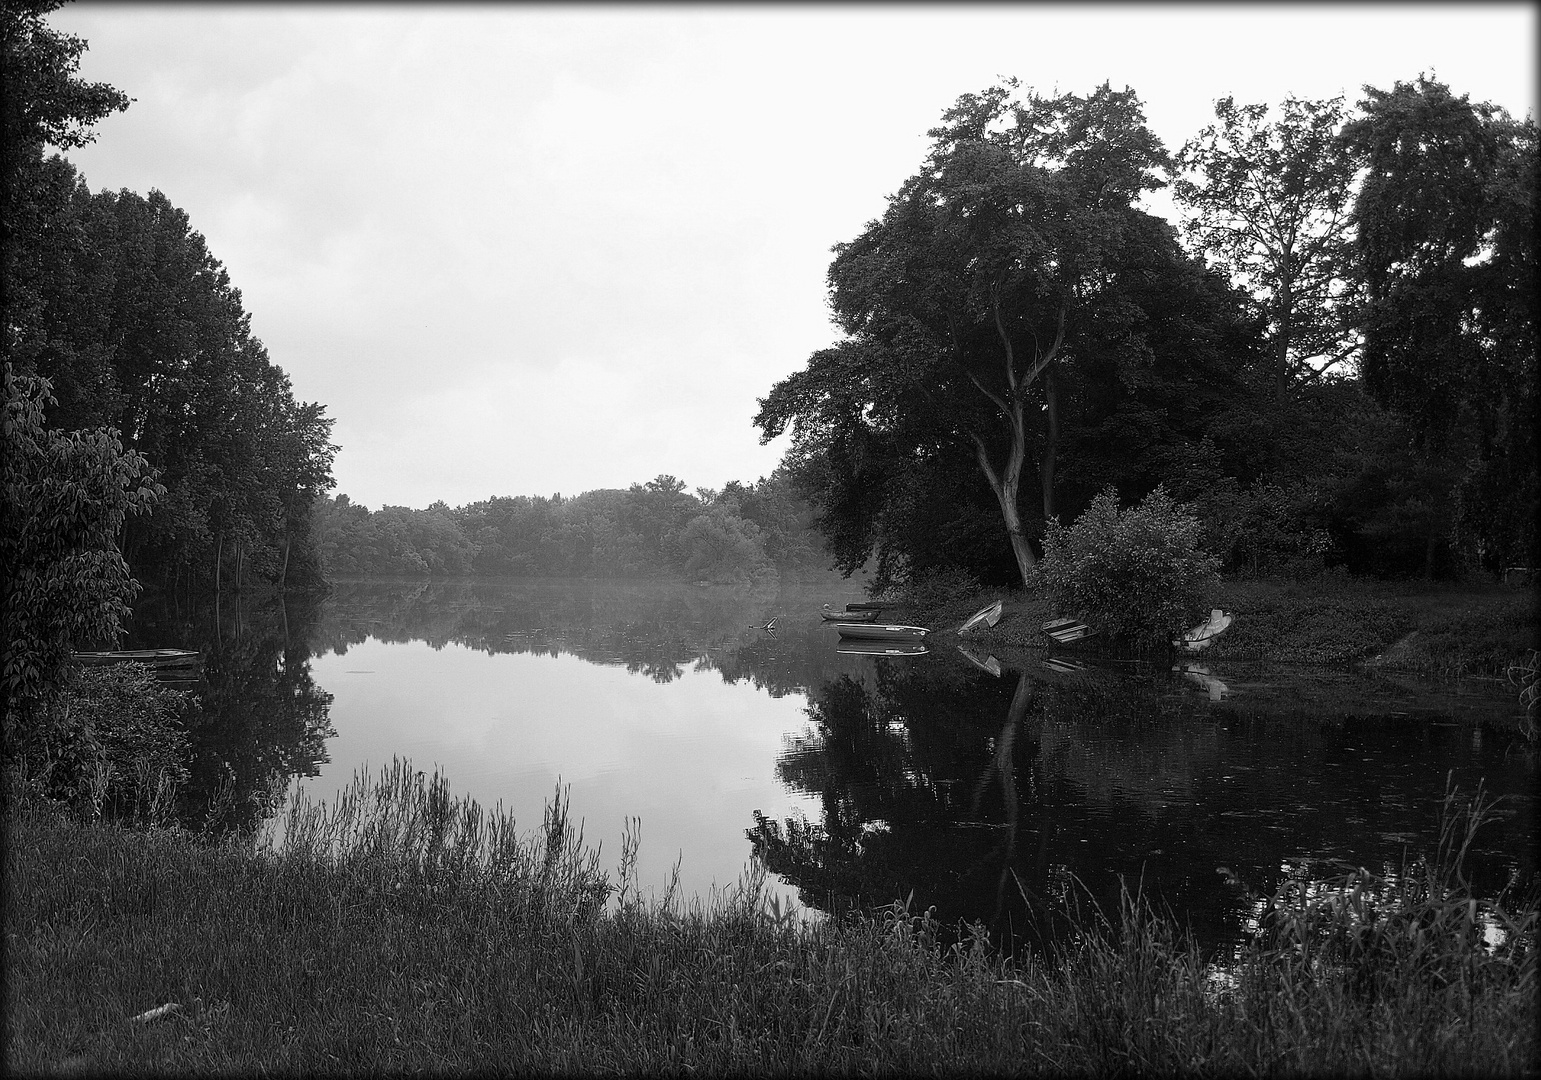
pixel 981 782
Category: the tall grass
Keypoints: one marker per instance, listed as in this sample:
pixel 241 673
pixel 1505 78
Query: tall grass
pixel 399 929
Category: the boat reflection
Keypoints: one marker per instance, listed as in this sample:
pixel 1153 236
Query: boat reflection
pixel 861 647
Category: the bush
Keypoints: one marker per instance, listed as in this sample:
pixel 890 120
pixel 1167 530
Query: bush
pixel 938 588
pixel 1136 575
pixel 112 744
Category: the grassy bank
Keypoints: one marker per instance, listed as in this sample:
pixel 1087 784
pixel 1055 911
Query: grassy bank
pixel 1425 628
pixel 401 929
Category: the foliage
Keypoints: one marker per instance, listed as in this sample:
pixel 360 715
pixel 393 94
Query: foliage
pixel 1011 312
pixel 744 534
pixel 44 104
pixel 423 933
pixel 1378 936
pixel 65 500
pixel 1427 628
pixel 113 743
pixel 1137 574
pixel 119 303
pixel 1445 258
pixel 1263 529
pixel 1271 205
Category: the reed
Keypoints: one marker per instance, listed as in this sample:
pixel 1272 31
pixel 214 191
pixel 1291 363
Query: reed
pixel 399 929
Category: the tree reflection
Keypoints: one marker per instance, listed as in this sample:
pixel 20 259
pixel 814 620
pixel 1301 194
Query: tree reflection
pixel 982 795
pixel 262 720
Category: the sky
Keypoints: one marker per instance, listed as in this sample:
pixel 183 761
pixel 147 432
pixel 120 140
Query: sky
pixel 527 249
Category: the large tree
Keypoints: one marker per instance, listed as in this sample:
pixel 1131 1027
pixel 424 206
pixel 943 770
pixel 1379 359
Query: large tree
pixel 1009 261
pixel 1446 261
pixel 1269 203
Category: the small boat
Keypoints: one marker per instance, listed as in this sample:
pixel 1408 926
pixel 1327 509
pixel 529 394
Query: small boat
pixel 880 631
pixel 1204 634
pixel 1065 667
pixel 151 657
pixel 987 664
pixel 1065 631
pixel 881 648
pixel 988 615
pixel 829 614
pixel 865 605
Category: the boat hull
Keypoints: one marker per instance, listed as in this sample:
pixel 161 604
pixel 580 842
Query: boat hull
pixel 152 657
pixel 880 631
pixel 1204 634
pixel 1065 631
pixel 988 615
pixel 831 615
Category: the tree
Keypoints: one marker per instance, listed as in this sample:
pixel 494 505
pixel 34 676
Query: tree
pixel 1271 206
pixel 44 104
pixel 1445 259
pixel 1015 258
pixel 65 582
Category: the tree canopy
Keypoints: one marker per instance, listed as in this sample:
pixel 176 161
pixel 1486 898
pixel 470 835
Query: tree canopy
pixel 1012 305
pixel 1445 254
pixel 1271 202
pixel 117 301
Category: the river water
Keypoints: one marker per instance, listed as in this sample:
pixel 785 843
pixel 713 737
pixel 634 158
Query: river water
pixel 979 782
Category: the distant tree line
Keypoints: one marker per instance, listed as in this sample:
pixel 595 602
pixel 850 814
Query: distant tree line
pixel 1331 362
pixel 744 534
pixel 117 303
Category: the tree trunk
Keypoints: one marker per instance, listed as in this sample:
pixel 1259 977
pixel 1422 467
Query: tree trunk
pixel 219 559
pixel 1005 487
pixel 1051 439
pixel 283 575
pixel 1286 330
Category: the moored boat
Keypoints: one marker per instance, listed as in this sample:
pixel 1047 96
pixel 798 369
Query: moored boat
pixel 880 631
pixel 152 657
pixel 988 615
pixel 1065 631
pixel 829 614
pixel 1204 634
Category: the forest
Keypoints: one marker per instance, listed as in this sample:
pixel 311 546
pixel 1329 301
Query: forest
pixel 1329 361
pixel 744 534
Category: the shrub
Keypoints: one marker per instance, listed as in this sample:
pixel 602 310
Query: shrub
pixel 113 743
pixel 1138 575
pixel 939 588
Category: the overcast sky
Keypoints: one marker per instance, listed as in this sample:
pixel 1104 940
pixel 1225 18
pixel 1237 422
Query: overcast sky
pixel 522 249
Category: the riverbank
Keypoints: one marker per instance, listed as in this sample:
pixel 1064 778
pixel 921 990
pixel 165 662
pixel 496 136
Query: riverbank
pixel 404 930
pixel 1417 627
